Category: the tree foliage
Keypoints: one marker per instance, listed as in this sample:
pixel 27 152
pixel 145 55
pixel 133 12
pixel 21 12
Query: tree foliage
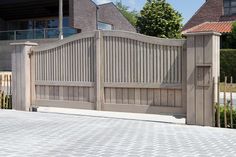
pixel 131 16
pixel 228 40
pixel 228 64
pixel 158 18
pixel 233 34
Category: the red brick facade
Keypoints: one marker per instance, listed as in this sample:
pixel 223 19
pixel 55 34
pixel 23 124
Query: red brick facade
pixel 211 11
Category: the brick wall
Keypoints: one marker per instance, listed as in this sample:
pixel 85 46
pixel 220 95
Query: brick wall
pixel 83 15
pixel 108 13
pixel 211 11
pixel 228 18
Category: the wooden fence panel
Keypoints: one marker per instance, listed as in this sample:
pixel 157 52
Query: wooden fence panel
pixel 143 72
pixel 121 71
pixel 139 73
pixel 64 73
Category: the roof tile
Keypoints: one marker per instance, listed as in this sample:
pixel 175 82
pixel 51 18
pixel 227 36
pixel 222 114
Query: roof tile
pixel 221 27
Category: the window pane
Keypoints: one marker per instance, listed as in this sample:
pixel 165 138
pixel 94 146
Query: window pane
pixel 69 31
pixel 39 24
pixel 226 3
pixel 66 22
pixel 233 3
pixel 233 10
pixel 227 11
pixel 104 26
pixel 52 23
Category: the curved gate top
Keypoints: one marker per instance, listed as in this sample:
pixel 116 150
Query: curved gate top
pixel 122 71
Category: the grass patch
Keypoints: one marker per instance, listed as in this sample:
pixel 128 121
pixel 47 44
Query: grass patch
pixel 228 88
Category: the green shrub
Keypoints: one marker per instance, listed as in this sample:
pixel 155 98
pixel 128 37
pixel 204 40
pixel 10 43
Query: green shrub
pixel 228 116
pixel 228 64
pixel 5 101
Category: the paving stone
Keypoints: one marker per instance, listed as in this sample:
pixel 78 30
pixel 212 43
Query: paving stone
pixel 24 134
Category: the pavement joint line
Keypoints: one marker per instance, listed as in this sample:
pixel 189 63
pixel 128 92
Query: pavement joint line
pixel 107 117
pixel 171 119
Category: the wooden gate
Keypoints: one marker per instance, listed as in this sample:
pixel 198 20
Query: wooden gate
pixel 121 71
pixel 129 72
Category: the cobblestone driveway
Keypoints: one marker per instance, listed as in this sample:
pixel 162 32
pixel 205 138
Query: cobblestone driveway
pixel 41 134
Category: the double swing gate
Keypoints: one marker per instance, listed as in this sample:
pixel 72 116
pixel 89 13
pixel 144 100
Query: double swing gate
pixel 119 71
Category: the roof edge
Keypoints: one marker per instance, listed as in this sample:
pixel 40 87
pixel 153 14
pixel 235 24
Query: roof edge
pixel 203 5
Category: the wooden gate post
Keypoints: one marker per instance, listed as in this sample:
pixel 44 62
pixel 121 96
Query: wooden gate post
pixel 203 64
pixel 99 73
pixel 21 76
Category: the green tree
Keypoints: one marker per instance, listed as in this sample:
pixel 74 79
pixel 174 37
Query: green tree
pixel 233 34
pixel 131 16
pixel 229 39
pixel 158 18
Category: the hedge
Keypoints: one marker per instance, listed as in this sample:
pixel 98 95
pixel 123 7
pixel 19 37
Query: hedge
pixel 227 64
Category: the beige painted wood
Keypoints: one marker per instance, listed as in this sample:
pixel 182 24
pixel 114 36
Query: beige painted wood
pixel 99 70
pixel 21 76
pixel 123 71
pixel 134 108
pixel 190 78
pixel 65 104
pixel 202 67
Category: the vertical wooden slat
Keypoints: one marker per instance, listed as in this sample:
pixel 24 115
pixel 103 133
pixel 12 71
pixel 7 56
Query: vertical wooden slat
pixel 231 102
pixel 164 97
pixel 119 95
pixel 81 94
pixel 86 94
pixel 171 98
pixel 107 95
pixel 155 64
pixel 76 94
pixel 91 95
pixel 125 96
pixel 131 96
pixel 119 60
pixel 116 59
pixel 157 97
pixel 225 103
pixel 137 97
pixel 144 96
pixel 145 62
pixel 113 95
pixel 178 98
pixel 200 81
pixel 71 93
pixel 138 64
pixel 106 59
pixel 132 71
pixel 142 62
pixel 151 97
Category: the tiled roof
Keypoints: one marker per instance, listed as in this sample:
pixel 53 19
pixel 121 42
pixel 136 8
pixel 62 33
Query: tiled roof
pixel 221 27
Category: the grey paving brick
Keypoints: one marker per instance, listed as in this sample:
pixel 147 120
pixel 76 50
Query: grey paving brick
pixel 25 134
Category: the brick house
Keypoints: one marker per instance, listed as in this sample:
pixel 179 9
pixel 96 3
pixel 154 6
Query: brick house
pixel 38 21
pixel 213 15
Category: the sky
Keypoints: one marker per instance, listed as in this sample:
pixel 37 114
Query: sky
pixel 186 7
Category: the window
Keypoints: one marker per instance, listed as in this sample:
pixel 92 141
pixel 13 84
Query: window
pixel 36 23
pixel 229 7
pixel 104 26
